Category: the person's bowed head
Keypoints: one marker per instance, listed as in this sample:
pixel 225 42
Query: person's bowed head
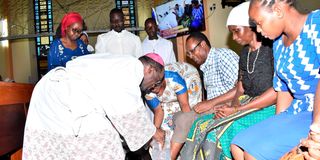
pixel 153 72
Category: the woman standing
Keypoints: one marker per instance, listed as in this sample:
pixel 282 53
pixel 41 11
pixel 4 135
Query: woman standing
pixel 297 61
pixel 254 86
pixel 68 46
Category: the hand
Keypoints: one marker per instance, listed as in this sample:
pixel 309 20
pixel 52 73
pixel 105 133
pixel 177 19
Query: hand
pixel 312 143
pixel 219 115
pixel 202 107
pixel 224 111
pixel 313 149
pixel 159 136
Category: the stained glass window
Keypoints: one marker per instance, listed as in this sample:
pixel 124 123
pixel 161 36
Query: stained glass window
pixel 43 24
pixel 128 9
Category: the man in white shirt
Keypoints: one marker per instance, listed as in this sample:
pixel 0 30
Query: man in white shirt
pixel 153 43
pixel 118 41
pixel 78 111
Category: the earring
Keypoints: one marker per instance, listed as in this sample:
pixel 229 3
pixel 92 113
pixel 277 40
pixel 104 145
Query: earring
pixel 279 12
pixel 280 15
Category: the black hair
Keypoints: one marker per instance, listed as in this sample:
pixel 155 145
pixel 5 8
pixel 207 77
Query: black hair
pixel 148 61
pixel 116 11
pixel 58 31
pixel 195 2
pixel 253 28
pixel 199 37
pixel 260 38
pixel 270 3
pixel 84 26
pixel 150 20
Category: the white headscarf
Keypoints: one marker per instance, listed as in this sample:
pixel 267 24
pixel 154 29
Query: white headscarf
pixel 239 15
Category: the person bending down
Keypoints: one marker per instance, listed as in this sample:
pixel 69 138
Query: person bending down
pixel 179 91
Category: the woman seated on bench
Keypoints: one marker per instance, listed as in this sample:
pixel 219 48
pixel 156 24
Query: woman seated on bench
pixel 297 62
pixel 253 92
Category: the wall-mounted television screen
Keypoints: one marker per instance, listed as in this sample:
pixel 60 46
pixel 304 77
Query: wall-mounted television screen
pixel 179 17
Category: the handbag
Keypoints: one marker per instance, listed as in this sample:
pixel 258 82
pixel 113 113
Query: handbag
pixel 140 154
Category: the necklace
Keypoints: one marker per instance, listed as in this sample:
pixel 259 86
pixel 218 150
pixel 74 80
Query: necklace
pixel 254 62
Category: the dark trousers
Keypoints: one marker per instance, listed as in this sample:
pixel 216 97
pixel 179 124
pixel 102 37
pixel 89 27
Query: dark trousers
pixel 140 154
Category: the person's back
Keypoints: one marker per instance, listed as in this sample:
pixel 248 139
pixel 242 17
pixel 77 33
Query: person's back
pixel 68 110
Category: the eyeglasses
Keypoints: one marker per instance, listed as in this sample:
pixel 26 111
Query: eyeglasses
pixel 74 30
pixel 157 84
pixel 189 53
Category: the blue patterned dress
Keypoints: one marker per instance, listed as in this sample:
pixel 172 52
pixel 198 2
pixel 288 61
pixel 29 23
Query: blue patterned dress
pixel 296 71
pixel 60 55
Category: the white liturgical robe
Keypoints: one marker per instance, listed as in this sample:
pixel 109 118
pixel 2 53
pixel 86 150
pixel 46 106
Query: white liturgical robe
pixel 123 43
pixel 161 46
pixel 68 108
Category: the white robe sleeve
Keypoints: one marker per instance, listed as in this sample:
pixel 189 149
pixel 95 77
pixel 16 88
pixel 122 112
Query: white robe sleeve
pixel 99 45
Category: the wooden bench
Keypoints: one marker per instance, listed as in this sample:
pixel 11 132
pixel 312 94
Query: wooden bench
pixel 14 102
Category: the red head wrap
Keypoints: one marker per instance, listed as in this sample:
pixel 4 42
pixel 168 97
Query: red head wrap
pixel 69 19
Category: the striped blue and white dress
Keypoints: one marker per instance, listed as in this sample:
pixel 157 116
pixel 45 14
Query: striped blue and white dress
pixel 296 71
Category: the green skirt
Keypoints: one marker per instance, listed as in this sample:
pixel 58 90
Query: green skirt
pixel 215 143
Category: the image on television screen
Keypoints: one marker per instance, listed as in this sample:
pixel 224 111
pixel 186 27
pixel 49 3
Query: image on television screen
pixel 179 17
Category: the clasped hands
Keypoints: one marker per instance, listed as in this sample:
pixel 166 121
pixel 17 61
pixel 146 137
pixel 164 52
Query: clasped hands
pixel 219 110
pixel 224 110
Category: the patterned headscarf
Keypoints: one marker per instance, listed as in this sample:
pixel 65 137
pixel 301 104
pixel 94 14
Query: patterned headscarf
pixel 69 19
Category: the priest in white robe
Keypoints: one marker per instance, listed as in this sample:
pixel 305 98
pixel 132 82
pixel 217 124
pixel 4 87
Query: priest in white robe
pixel 68 109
